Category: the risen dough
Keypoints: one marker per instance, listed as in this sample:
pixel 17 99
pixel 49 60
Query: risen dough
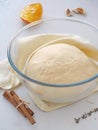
pixel 60 64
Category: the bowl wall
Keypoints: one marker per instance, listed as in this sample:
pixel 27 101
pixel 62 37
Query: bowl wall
pixel 17 58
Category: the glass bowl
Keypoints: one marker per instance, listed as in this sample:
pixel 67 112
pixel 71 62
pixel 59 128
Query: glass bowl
pixel 55 93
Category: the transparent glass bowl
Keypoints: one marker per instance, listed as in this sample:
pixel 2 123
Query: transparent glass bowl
pixel 56 93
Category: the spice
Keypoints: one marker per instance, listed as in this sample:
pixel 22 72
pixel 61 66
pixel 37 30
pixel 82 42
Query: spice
pixel 13 98
pixel 77 120
pixel 85 115
pixel 96 109
pixel 68 12
pixel 89 113
pixel 79 11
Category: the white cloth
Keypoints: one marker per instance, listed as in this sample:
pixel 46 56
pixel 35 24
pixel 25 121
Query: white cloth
pixel 8 78
pixel 47 106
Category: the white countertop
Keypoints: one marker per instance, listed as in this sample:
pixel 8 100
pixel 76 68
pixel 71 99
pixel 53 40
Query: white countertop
pixel 62 119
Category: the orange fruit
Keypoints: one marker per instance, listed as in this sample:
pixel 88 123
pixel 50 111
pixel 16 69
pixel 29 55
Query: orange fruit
pixel 31 13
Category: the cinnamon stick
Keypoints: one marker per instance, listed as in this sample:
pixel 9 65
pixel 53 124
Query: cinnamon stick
pixel 27 114
pixel 13 98
pixel 29 110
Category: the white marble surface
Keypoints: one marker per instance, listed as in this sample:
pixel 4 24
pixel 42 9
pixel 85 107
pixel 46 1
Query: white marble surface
pixel 62 119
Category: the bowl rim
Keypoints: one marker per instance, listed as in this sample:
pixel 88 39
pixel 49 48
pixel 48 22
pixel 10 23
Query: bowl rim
pixel 39 82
